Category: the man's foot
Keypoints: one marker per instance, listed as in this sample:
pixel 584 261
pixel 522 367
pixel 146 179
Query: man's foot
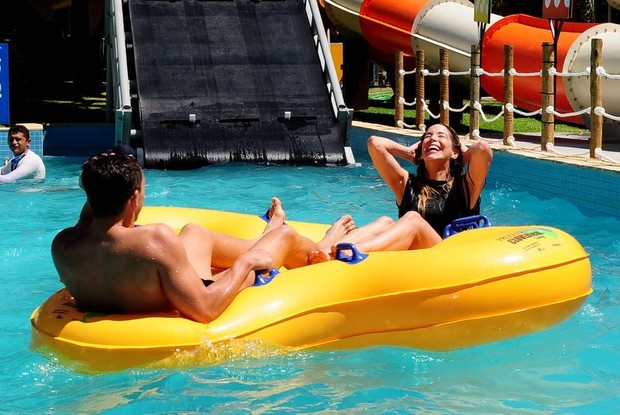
pixel 324 255
pixel 316 257
pixel 275 215
pixel 339 229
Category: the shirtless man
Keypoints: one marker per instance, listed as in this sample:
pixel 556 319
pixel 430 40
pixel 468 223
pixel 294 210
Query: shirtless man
pixel 110 265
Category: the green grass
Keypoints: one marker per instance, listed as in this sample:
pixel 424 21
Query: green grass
pixel 381 111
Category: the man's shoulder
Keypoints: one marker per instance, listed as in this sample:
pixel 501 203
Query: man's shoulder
pixel 67 236
pixel 156 229
pixel 151 235
pixel 143 240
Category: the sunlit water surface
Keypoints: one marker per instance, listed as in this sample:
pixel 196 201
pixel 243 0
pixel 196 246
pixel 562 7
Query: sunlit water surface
pixel 570 369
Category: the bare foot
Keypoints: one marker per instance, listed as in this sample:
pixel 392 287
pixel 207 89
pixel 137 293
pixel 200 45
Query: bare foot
pixel 316 257
pixel 339 229
pixel 276 215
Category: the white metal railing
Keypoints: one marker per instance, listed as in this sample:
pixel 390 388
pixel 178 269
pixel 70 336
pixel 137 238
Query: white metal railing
pixel 341 112
pixel 117 64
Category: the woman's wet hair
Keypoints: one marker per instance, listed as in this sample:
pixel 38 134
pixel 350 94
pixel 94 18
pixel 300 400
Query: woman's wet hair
pixel 109 180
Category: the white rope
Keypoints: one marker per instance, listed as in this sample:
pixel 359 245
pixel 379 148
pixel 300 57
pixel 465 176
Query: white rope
pixel 599 154
pixel 478 106
pixel 427 73
pixel 480 71
pixel 489 139
pixel 401 100
pixel 515 73
pixel 459 73
pixel 429 112
pixel 551 110
pixel 551 148
pixel 511 141
pixel 554 72
pixel 601 111
pixel 511 108
pixel 535 147
pixel 475 133
pixel 446 105
pixel 402 72
pixel 402 124
pixel 601 72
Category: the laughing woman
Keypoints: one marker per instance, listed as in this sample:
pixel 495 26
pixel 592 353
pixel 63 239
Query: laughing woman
pixel 447 185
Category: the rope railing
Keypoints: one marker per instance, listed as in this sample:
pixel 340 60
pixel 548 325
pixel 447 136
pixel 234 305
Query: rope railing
pixel 508 109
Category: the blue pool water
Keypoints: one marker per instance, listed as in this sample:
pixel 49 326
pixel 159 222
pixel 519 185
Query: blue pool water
pixel 570 369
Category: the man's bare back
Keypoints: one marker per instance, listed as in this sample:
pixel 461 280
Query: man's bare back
pixel 118 269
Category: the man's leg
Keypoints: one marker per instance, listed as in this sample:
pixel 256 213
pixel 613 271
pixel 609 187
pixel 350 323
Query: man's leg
pixel 343 226
pixel 207 249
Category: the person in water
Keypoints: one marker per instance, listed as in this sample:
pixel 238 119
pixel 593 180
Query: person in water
pixel 25 164
pixel 449 181
pixel 111 265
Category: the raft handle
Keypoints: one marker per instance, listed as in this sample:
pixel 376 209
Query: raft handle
pixel 466 223
pixel 262 279
pixel 354 258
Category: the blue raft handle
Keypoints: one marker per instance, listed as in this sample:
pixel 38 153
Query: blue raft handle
pixel 356 257
pixel 262 279
pixel 463 224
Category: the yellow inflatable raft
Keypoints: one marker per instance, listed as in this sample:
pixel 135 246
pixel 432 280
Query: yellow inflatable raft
pixel 475 287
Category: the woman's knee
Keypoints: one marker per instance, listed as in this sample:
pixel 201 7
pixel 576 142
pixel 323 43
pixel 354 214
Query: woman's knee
pixel 411 216
pixel 386 221
pixel 383 223
pixel 191 229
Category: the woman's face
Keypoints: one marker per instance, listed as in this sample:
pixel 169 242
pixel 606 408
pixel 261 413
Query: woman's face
pixel 437 144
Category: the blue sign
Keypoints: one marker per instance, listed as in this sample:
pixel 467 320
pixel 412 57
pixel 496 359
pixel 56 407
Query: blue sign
pixel 4 84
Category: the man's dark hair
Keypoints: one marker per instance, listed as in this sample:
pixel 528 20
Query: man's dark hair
pixel 18 128
pixel 109 180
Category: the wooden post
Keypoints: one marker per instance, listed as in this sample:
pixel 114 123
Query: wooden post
pixel 419 87
pixel 596 93
pixel 509 116
pixel 548 97
pixel 444 87
pixel 399 89
pixel 474 92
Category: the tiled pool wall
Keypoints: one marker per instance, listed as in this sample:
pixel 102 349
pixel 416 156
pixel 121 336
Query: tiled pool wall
pixel 78 140
pixel 594 191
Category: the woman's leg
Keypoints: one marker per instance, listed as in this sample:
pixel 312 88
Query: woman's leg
pixel 411 231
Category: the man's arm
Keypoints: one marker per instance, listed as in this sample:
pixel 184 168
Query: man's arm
pixel 184 287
